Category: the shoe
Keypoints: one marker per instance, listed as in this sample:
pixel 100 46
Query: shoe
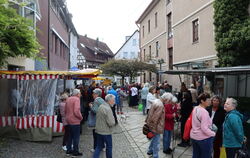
pixel 182 145
pixel 92 150
pixel 168 151
pixel 104 149
pixel 149 153
pixel 76 154
pixel 68 153
pixel 118 113
pixel 121 113
pixel 64 148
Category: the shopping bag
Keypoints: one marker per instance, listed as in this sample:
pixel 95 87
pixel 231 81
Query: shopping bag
pixel 91 119
pixel 223 152
pixel 140 107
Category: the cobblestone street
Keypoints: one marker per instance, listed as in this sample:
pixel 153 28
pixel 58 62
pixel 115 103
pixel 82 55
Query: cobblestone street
pixel 128 142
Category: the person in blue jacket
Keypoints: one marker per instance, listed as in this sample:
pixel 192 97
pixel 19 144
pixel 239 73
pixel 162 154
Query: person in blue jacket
pixel 117 101
pixel 233 134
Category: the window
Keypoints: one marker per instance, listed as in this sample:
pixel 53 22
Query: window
pixel 150 76
pixel 196 30
pixel 148 26
pixel 134 42
pixel 132 55
pixel 144 54
pixel 157 49
pixel 142 31
pixel 150 55
pixel 156 19
pixel 125 55
pixel 170 58
pixel 169 16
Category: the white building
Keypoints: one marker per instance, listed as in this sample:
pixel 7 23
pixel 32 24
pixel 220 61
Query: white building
pixel 130 51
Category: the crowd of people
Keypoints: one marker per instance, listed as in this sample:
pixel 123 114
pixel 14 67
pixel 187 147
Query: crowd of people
pixel 213 125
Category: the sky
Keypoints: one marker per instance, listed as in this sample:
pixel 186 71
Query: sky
pixel 109 20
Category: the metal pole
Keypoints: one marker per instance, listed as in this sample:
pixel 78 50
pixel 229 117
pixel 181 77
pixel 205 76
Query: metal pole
pixel 17 97
pixel 246 85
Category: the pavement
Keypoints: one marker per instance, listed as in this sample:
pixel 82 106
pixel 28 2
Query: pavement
pixel 132 128
pixel 128 142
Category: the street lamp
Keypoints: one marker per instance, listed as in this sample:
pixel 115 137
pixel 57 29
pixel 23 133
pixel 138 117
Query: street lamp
pixel 160 62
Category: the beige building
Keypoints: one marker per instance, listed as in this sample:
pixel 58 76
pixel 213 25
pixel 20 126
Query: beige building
pixel 153 37
pixel 194 45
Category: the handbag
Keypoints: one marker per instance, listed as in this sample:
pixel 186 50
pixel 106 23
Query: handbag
pixel 59 116
pixel 145 129
pixel 91 119
pixel 223 152
pixel 188 127
pixel 140 107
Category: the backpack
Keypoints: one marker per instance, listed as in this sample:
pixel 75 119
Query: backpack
pixel 188 127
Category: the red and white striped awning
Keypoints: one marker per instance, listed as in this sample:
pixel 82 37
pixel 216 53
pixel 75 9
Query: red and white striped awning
pixel 32 122
pixel 28 77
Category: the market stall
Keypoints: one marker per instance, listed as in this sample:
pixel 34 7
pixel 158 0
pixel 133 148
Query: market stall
pixel 28 100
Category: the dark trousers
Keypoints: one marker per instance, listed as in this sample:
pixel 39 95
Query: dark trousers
pixel 95 138
pixel 230 152
pixel 144 103
pixel 217 145
pixel 74 138
pixel 183 122
pixel 203 148
pixel 101 141
pixel 114 113
pixel 66 135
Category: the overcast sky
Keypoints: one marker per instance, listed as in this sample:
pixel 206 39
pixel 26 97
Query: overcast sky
pixel 109 20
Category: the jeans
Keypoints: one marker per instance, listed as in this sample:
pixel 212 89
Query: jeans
pixel 74 138
pixel 144 103
pixel 154 146
pixel 101 140
pixel 203 148
pixel 94 138
pixel 230 152
pixel 166 139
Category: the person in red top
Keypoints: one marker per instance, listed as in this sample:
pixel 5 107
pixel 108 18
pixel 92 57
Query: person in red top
pixel 73 118
pixel 170 114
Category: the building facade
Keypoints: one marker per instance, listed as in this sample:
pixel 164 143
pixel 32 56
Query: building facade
pixel 55 36
pixel 129 51
pixel 30 11
pixel 193 30
pixel 92 53
pixel 153 39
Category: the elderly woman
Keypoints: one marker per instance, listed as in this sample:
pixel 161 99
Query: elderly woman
pixel 201 133
pixel 217 114
pixel 170 114
pixel 150 97
pixel 233 134
pixel 156 122
pixel 63 99
pixel 97 93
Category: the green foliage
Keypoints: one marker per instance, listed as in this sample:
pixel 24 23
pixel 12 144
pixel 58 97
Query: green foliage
pixel 126 68
pixel 232 32
pixel 16 36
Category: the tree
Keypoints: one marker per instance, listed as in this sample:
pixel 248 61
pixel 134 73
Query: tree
pixel 232 32
pixel 16 36
pixel 126 68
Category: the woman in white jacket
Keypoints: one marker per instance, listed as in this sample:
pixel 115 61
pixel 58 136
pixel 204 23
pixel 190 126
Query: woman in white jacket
pixel 150 97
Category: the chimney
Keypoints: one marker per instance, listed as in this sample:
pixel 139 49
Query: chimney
pixel 86 35
pixel 97 42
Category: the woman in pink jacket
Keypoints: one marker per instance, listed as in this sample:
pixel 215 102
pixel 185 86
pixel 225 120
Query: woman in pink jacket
pixel 201 133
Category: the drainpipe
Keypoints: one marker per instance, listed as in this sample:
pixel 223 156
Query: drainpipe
pixel 140 49
pixel 48 34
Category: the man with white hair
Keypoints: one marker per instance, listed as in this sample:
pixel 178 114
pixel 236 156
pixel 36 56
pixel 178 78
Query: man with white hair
pixel 73 117
pixel 233 134
pixel 104 123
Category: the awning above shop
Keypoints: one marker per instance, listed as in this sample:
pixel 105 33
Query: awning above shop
pixel 221 70
pixel 33 75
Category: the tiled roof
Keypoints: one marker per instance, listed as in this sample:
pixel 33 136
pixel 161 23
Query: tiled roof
pixel 91 49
